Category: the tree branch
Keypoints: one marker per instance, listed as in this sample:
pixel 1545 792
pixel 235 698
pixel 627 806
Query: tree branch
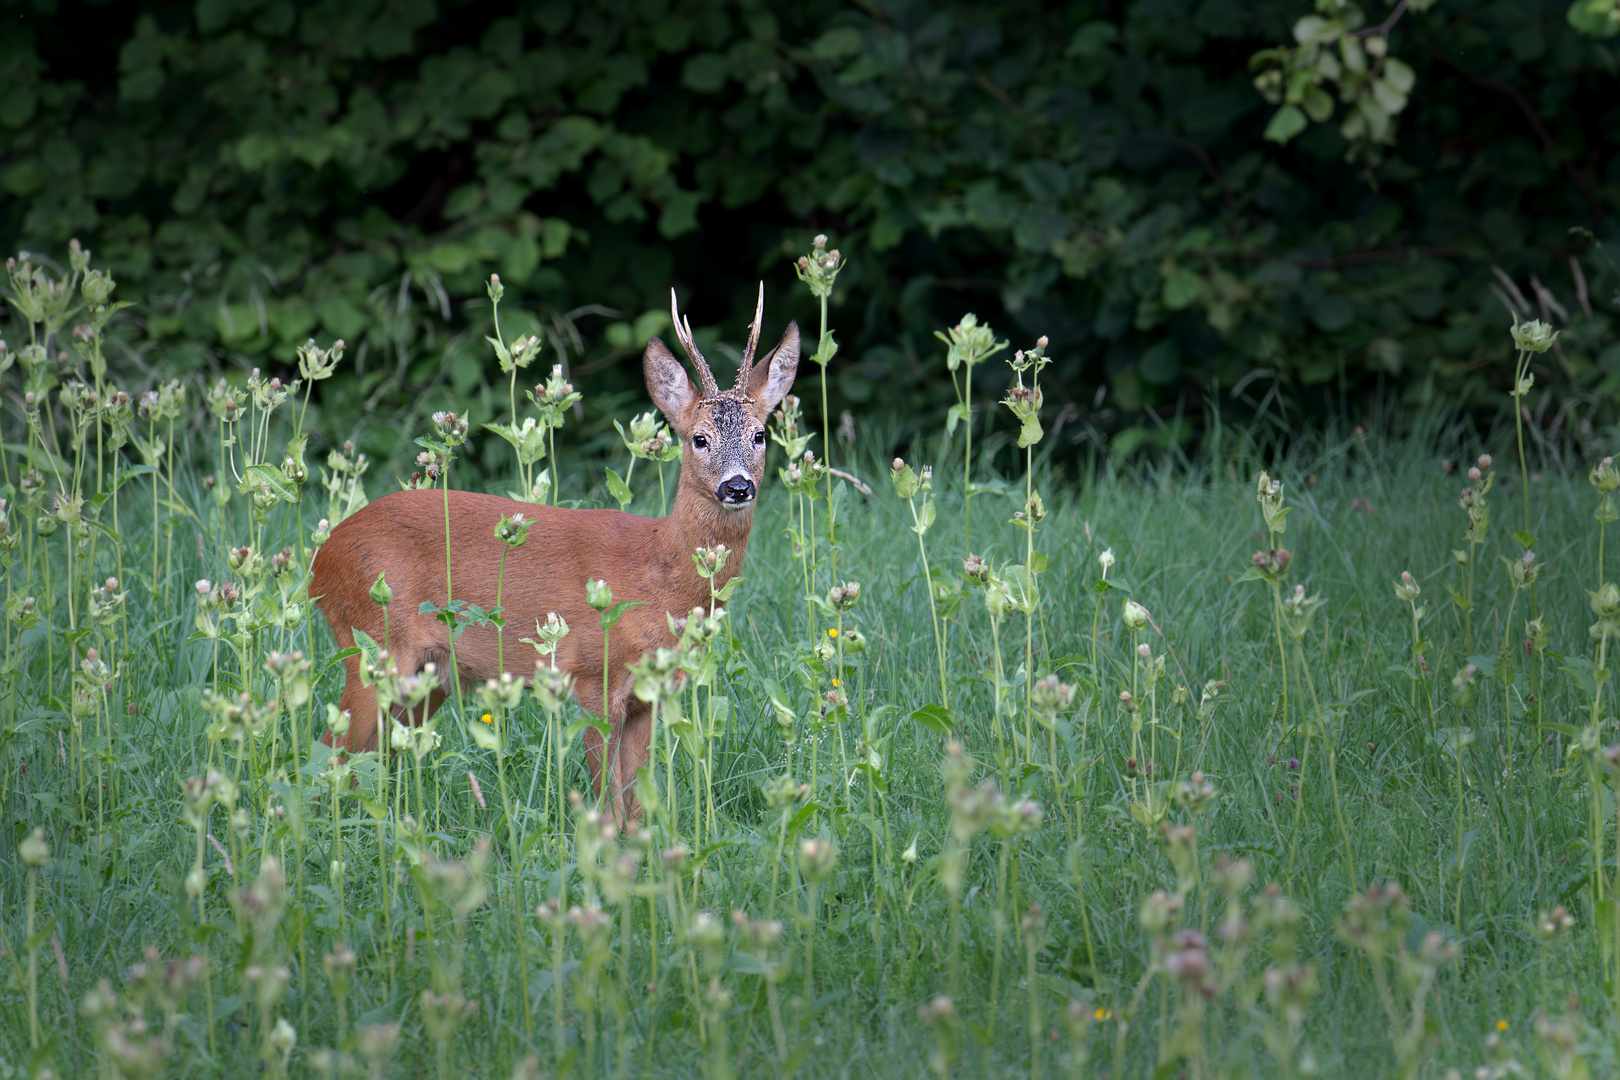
pixel 1548 146
pixel 1383 28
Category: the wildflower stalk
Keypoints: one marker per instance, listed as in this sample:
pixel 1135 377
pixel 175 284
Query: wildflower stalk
pixel 1529 339
pixel 968 344
pixel 1025 404
pixel 1271 565
pixel 816 861
pixel 1458 741
pixel 1409 590
pixel 909 484
pixel 498 699
pixel 996 598
pixel 600 596
pixel 1605 600
pixel 1298 611
pixel 819 270
pixel 33 852
pixel 1102 587
pixel 1031 926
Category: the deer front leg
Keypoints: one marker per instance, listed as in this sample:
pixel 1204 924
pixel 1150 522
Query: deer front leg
pixel 611 777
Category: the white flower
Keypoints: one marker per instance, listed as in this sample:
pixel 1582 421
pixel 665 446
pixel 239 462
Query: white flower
pixel 1106 561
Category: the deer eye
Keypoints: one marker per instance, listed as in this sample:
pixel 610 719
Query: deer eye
pixel 700 442
pixel 759 438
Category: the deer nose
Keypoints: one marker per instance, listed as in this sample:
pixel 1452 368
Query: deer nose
pixel 736 489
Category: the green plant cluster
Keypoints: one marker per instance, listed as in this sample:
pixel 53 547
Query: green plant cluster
pixel 1255 203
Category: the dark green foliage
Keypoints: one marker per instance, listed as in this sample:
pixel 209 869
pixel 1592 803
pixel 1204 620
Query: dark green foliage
pixel 259 172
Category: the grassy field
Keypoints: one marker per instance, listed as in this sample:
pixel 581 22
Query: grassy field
pixel 1285 817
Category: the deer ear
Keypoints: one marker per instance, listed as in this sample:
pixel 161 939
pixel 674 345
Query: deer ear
pixel 671 389
pixel 772 376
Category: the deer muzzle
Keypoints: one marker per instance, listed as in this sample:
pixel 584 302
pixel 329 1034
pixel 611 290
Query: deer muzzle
pixel 736 491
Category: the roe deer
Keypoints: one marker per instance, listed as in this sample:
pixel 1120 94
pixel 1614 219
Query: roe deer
pixel 722 440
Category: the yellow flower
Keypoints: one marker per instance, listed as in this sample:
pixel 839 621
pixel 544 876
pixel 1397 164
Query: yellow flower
pixel 1102 1014
pixel 486 718
pixel 832 631
pixel 835 683
pixel 1501 1025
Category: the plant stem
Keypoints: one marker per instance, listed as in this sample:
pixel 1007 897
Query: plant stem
pixel 933 612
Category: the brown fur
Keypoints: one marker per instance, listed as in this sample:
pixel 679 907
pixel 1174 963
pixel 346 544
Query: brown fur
pixel 647 559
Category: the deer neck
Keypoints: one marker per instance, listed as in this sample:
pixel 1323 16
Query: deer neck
pixel 695 521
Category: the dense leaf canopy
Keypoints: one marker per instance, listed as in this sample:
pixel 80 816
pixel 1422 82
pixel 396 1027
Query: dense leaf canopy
pixel 256 172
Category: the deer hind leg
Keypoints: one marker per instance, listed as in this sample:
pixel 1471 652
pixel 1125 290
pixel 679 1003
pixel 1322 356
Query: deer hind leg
pixel 631 742
pixel 360 701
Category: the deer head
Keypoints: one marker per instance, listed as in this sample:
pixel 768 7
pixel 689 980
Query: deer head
pixel 722 432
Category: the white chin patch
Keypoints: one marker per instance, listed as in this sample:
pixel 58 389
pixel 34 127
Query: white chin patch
pixel 738 505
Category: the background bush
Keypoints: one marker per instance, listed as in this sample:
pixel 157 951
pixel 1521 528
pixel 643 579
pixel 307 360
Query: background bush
pixel 260 172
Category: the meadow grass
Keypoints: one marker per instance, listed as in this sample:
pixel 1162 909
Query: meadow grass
pixel 1162 768
pixel 1363 510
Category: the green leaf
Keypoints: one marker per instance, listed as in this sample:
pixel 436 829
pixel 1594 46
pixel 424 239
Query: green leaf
pixel 125 475
pixel 1288 122
pixel 1182 288
pixel 603 728
pixel 343 654
pixel 1398 73
pixel 1317 103
pixel 1525 540
pixel 502 353
pixel 955 415
pixel 1021 588
pixel 1091 40
pixel 1594 18
pixel 936 718
pixel 1029 430
pixel 619 489
pixel 925 516
pixel 613 614
pixel 367 644
pixel 271 477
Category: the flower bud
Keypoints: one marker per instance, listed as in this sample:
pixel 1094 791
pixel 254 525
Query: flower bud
pixel 1606 601
pixel 381 594
pixel 34 851
pixel 1534 336
pixel 1136 617
pixel 817 859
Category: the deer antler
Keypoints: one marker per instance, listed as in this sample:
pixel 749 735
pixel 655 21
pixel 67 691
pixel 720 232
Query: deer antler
pixel 683 332
pixel 753 341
